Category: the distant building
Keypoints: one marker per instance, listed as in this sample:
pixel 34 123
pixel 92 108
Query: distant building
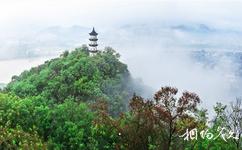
pixel 93 42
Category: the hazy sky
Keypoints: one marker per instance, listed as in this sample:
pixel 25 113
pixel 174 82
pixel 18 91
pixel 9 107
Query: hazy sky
pixel 219 13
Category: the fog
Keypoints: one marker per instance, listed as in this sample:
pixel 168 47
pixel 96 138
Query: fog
pixel 157 39
pixel 176 68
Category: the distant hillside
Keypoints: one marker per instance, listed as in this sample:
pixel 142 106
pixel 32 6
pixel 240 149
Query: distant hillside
pixel 41 41
pixel 79 77
pixel 49 40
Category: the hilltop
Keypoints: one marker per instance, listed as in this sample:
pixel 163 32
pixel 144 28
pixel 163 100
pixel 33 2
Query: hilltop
pixel 77 76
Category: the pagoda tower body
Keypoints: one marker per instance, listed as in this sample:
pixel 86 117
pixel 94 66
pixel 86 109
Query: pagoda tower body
pixel 93 42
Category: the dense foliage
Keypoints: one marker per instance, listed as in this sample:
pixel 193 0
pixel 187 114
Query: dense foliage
pixel 79 102
pixel 78 76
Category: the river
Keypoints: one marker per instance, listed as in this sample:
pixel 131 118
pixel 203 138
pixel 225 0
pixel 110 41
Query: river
pixel 11 67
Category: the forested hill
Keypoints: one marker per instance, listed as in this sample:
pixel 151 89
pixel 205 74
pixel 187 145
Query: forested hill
pixel 78 76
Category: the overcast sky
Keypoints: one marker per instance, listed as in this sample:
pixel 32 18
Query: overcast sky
pixel 220 13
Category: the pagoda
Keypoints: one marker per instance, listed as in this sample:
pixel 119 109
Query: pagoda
pixel 93 41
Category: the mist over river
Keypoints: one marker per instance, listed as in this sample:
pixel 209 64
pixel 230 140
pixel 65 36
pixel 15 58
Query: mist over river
pixel 10 67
